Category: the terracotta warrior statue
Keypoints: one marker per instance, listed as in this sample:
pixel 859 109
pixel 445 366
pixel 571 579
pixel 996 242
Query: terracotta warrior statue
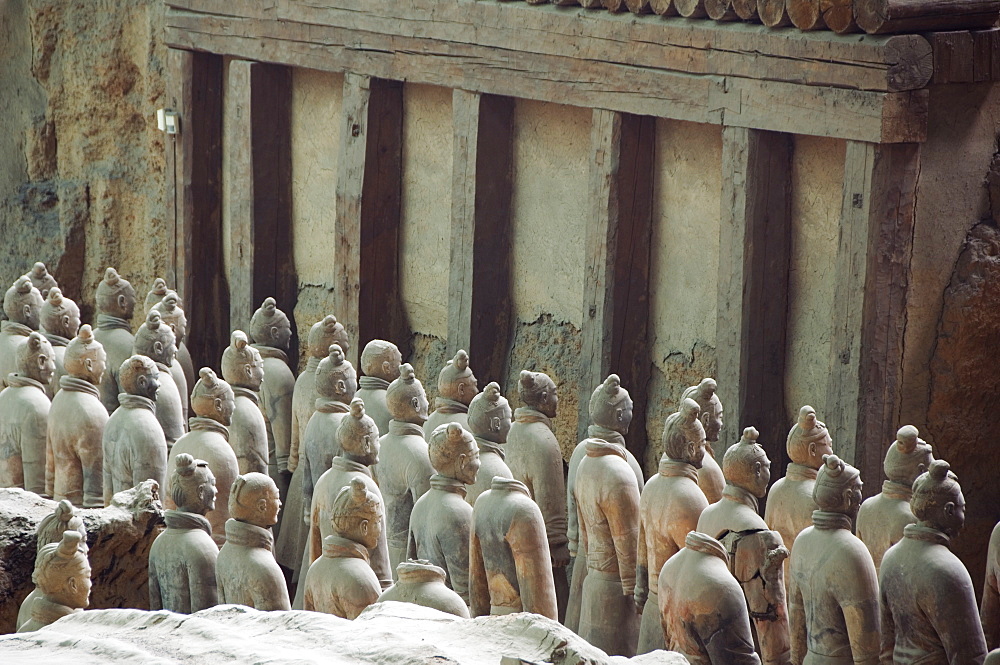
pixel 380 363
pixel 24 416
pixel 669 508
pixel 60 320
pixel 243 370
pixel 756 554
pixel 115 306
pixel 22 304
pixel 62 574
pixel 989 611
pixel 510 565
pixel 322 336
pixel 341 582
pixel 704 613
pixel 42 279
pixel 246 569
pixel 74 458
pixel 156 341
pixel 422 583
pixel 182 558
pixel 441 520
pixel 607 500
pixel 883 517
pixel 181 367
pixel 790 502
pixel 213 403
pixel 155 294
pixel 927 600
pixel 134 447
pixel 456 388
pixel 534 458
pixel 489 422
pixel 833 589
pixel 710 477
pixel 404 470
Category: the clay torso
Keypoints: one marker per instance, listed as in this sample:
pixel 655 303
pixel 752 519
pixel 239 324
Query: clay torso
pixel 169 407
pixel 371 391
pixel 422 583
pixel 248 432
pixel 790 504
pixel 341 582
pixel 883 517
pixel 303 406
pixel 134 447
pixel 320 446
pixel 990 610
pixel 446 411
pixel 59 351
pixel 182 565
pixel 440 525
pixel 12 335
pixel 45 612
pixel 246 570
pixel 74 463
pixel 494 464
pixel 24 412
pixel 276 404
pixel 710 478
pixel 116 336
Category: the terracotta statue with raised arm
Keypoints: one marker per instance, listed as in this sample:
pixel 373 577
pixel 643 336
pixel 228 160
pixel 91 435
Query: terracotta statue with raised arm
pixel 246 570
pixel 534 458
pixel 404 470
pixel 134 447
pixel 927 601
pixel 182 558
pixel 883 517
pixel 710 476
pixel 22 304
pixel 60 321
pixel 456 388
pixel 42 279
pixel 422 583
pixel 24 416
pixel 243 370
pixel 380 363
pixel 155 340
pixel 208 439
pixel 669 508
pixel 441 521
pixel 74 458
pixel 607 500
pixel 833 589
pixel 155 293
pixel 489 422
pixel 181 367
pixel 115 307
pixel 704 613
pixel 62 574
pixel 756 554
pixel 790 501
pixel 341 582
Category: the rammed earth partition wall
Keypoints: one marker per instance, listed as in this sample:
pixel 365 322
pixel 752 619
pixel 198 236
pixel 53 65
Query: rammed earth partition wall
pixel 581 192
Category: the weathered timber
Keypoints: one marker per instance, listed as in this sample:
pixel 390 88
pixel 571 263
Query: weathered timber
pixel 773 13
pixel 721 10
pixel 614 5
pixel 805 14
pixel 888 16
pixel 755 242
pixel 839 16
pixel 691 8
pixel 746 9
pixel 966 57
pixel 663 7
pixel 639 6
pixel 616 277
pixel 239 183
pixel 479 282
pixel 872 280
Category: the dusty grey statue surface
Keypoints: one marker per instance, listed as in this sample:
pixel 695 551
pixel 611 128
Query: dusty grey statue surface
pixel 60 321
pixel 243 370
pixel 489 422
pixel 113 329
pixel 710 476
pixel 380 361
pixel 422 583
pixel 42 279
pixel 456 387
pixel 62 574
pixel 24 414
pixel 155 340
pixel 181 369
pixel 22 304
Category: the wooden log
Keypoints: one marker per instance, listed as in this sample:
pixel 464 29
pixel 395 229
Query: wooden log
pixel 746 9
pixel 892 16
pixel 721 10
pixel 663 7
pixel 966 57
pixel 615 5
pixel 805 14
pixel 639 6
pixel 691 8
pixel 839 16
pixel 773 14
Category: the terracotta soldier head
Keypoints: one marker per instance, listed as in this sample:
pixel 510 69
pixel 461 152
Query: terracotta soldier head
pixel 538 391
pixel 683 434
pixel 60 315
pixel 357 514
pixel 456 380
pixel 42 279
pixel 85 357
pixel 115 296
pixel 937 499
pixel 213 398
pixel 489 414
pixel 611 405
pixel 156 340
pixel 62 571
pixel 710 418
pixel 269 326
pixel 325 333
pixel 907 457
pixel 23 303
pixel 63 518
pixel 358 435
pixel 406 398
pixel 36 359
pixel 156 293
pixel 454 453
pixel 809 440
pixel 242 365
pixel 335 376
pixel 838 487
pixel 381 359
pixel 192 485
pixel 745 464
pixel 171 313
pixel 139 376
pixel 254 499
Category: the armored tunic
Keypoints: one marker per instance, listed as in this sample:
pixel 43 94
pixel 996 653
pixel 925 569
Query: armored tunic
pixel 246 570
pixel 24 414
pixel 446 411
pixel 248 432
pixel 883 517
pixel 440 528
pixel 790 505
pixel 115 334
pixel 319 446
pixel 341 582
pixel 182 565
pixel 74 456
pixel 276 404
pixel 493 464
pixel 134 448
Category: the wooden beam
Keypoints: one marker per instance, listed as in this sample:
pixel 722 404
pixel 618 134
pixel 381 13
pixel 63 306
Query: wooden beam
pixel 872 280
pixel 479 290
pixel 616 277
pixel 239 183
pixel 754 249
pixel 966 57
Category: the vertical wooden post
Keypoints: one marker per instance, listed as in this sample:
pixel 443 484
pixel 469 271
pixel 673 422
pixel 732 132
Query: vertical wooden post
pixel 755 242
pixel 239 183
pixel 479 299
pixel 873 265
pixel 616 278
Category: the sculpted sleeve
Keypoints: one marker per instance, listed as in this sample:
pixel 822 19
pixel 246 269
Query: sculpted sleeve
pixel 550 492
pixel 271 593
pixel 861 613
pixel 959 628
pixel 641 570
pixel 150 461
pixel 294 437
pixel 621 507
pixel 990 610
pixel 155 600
pixel 732 643
pixel 530 547
pixel 456 554
pixel 573 518
pixel 796 621
pixel 418 476
pixel 887 626
pixel 479 589
pixel 34 441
